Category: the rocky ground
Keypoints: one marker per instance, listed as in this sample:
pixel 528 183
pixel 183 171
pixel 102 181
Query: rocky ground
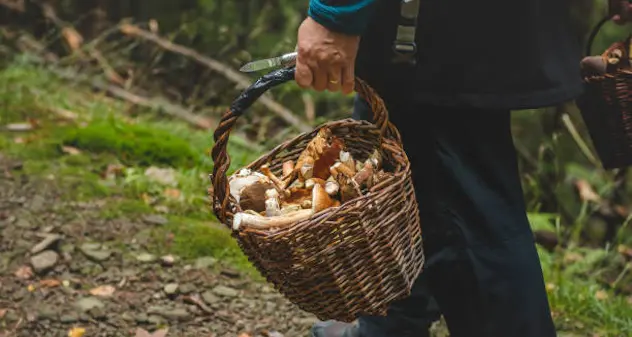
pixel 66 271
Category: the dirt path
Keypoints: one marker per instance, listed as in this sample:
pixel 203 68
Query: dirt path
pixel 62 267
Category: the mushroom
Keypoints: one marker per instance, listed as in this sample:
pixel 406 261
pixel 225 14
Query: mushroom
pixel 594 65
pixel 320 199
pixel 347 160
pixel 330 155
pixel 309 183
pixel 265 169
pixel 332 187
pixel 272 203
pixel 248 188
pixel 339 168
pixel 306 204
pixel 365 175
pixel 298 195
pixel 307 170
pixel 376 159
pixel 288 168
pixel 257 221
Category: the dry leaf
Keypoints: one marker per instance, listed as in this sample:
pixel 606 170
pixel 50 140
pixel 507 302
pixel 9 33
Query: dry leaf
pixel 76 332
pixel 103 291
pixel 113 170
pixel 24 273
pixel 73 38
pixel 19 140
pixel 172 193
pixel 243 334
pixel 572 257
pixel 601 295
pixel 19 127
pixel 3 312
pixel 64 114
pixel 586 192
pixel 70 150
pixel 30 288
pixel 50 283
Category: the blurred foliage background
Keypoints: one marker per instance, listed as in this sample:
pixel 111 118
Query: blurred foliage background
pixel 177 61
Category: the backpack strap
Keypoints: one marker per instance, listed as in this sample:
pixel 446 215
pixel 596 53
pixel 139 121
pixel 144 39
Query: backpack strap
pixel 404 46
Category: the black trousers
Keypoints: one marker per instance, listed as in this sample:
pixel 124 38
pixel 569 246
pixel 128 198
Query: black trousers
pixel 482 271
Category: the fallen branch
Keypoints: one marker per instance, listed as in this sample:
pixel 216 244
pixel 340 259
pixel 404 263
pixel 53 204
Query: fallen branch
pixel 16 5
pixel 241 81
pixel 151 103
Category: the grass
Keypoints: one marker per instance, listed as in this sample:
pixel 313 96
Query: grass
pixel 106 137
pixel 78 153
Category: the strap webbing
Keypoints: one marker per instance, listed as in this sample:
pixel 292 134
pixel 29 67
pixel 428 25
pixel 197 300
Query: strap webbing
pixel 404 45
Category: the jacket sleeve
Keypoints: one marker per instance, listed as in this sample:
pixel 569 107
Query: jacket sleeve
pixel 343 16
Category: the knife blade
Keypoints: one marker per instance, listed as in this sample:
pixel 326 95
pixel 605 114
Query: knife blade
pixel 274 62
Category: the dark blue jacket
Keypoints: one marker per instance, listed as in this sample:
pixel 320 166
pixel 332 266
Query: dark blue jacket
pixel 479 53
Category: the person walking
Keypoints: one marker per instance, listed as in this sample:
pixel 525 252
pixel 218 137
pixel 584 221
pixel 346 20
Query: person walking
pixel 450 73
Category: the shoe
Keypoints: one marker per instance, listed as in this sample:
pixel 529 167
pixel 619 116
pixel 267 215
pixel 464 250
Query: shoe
pixel 334 329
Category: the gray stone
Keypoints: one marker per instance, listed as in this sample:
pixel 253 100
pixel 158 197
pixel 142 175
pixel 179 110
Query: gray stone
pixel 146 258
pixel 155 220
pixel 171 288
pixel 46 243
pixel 69 318
pixel 225 291
pixel 168 260
pixel 187 288
pixel 210 298
pixel 45 312
pixel 44 261
pixel 88 303
pixel 94 252
pixel 205 262
pixel 169 313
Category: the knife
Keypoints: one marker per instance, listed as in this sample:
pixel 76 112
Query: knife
pixel 274 62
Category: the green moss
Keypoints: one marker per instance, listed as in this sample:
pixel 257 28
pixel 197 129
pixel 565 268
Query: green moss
pixel 192 239
pixel 124 207
pixel 133 144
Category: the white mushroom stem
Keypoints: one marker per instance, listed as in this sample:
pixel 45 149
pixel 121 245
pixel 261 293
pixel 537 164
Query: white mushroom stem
pixel 307 171
pixel 260 222
pixel 332 187
pixel 347 160
pixel 272 203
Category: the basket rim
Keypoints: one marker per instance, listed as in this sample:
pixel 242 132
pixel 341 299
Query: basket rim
pixel 400 175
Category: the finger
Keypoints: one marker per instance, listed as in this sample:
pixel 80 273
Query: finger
pixel 303 75
pixel 320 77
pixel 348 79
pixel 334 78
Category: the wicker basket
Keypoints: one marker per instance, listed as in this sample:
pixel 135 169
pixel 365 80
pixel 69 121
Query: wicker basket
pixel 606 107
pixel 344 261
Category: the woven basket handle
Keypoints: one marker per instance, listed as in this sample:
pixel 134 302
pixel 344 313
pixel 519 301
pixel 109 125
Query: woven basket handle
pixel 221 159
pixel 612 11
